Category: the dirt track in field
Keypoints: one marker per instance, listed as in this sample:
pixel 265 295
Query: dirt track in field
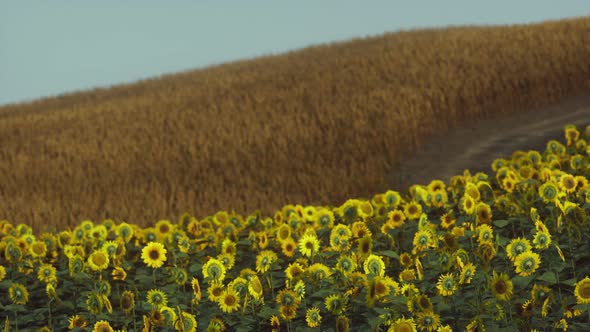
pixel 475 144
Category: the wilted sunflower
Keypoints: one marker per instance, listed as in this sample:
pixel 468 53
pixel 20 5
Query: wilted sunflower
pixel 517 246
pixel 582 291
pixel 539 293
pixel 308 245
pixel 157 298
pixel 527 263
pixel 154 254
pixel 294 271
pixel 446 284
pixel 299 288
pixel 229 301
pixel 501 286
pixel 447 220
pixel 94 303
pixel 76 321
pixel 365 246
pixel 18 293
pixel 313 317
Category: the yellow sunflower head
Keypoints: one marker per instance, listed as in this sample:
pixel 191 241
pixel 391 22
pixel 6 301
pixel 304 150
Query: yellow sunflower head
pixel 154 254
pixel 582 291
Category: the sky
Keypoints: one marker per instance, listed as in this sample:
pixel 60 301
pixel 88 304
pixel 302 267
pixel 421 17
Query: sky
pixel 54 47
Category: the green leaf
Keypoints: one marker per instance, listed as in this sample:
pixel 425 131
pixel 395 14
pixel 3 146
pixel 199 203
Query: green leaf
pixel 389 253
pixel 549 277
pixel 500 223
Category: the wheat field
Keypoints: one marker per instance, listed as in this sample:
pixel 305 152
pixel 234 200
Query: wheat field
pixel 314 126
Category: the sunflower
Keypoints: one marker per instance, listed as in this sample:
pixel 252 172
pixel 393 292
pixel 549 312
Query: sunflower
pixel 413 210
pixel 467 272
pixel 229 301
pixel 483 213
pixel 335 304
pixel 365 246
pixel 359 230
pixel 98 260
pixel 119 273
pixel 374 265
pixel 542 240
pixel 308 245
pixel 127 302
pixel 422 240
pixel 468 204
pixel 264 260
pixel 196 288
pixel 154 254
pixel 396 218
pixel 447 220
pixel 288 298
pixel 403 325
pixel 76 265
pixel 255 287
pixel 345 264
pixel 517 246
pixel 216 324
pixel 214 270
pixel 186 322
pixel 275 322
pixel 527 263
pixel 299 288
pixel 582 291
pixel 157 298
pixel 324 219
pixel 38 249
pixel 46 273
pixel 77 321
pixel 485 233
pixel 215 291
pixel 567 183
pixel 427 320
pixel 540 293
pixel 313 317
pixel 446 284
pixel 94 303
pixel 283 232
pixel 439 198
pixel 227 260
pixel 377 289
pixel 18 293
pixel 444 328
pixel 501 286
pixel 548 192
pixel 407 275
pixel 318 271
pixel 102 326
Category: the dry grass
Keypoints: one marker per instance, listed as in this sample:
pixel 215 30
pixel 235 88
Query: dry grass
pixel 315 126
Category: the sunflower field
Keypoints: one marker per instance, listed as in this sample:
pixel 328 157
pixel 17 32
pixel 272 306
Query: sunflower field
pixel 484 252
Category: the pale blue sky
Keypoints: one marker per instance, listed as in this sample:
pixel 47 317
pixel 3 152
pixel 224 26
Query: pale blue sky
pixel 58 46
